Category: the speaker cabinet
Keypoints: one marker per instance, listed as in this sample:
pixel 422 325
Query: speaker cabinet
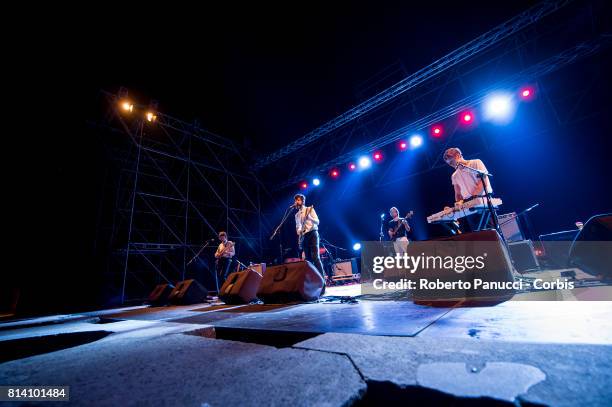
pixel 188 292
pixel 498 268
pixel 240 287
pixel 291 282
pixel 159 296
pixel 591 249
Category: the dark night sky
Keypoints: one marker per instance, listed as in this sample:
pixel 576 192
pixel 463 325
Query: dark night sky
pixel 274 73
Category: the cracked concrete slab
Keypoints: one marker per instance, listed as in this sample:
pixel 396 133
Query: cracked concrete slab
pixel 187 370
pixel 534 321
pixel 575 374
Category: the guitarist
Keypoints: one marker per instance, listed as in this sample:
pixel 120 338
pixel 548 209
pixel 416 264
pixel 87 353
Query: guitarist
pixel 306 226
pixel 398 231
pixel 223 256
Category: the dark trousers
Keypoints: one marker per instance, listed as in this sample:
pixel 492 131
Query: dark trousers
pixel 311 249
pixel 222 267
pixel 470 223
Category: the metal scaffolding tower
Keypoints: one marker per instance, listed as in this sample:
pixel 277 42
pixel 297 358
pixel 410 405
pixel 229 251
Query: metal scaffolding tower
pixel 178 185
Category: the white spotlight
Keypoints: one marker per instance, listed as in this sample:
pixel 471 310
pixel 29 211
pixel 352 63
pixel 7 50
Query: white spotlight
pixel 499 108
pixel 365 162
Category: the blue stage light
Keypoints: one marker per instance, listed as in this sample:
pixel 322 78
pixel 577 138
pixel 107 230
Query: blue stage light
pixel 316 182
pixel 499 108
pixel 365 162
pixel 357 246
pixel 416 141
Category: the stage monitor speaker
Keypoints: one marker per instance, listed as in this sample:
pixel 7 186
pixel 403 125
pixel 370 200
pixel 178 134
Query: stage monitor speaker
pixel 188 292
pixel 344 270
pixel 523 255
pixel 590 251
pixel 557 246
pixel 240 287
pixel 290 282
pixel 498 269
pixel 159 296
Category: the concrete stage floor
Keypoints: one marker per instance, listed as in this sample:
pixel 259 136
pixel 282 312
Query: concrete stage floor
pixel 329 353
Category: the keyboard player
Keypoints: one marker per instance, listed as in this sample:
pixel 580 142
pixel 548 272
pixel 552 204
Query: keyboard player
pixel 466 183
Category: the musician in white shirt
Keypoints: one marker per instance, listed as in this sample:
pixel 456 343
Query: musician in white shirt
pixel 224 254
pixel 307 223
pixel 467 183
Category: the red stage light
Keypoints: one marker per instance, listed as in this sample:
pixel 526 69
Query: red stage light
pixel 334 173
pixel 527 93
pixel 304 185
pixel 352 166
pixel 467 118
pixel 378 156
pixel 436 130
pixel 403 145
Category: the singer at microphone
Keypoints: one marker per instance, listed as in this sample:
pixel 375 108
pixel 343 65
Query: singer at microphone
pixel 467 183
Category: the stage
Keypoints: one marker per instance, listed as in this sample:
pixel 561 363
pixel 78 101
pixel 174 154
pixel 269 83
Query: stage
pixel 331 352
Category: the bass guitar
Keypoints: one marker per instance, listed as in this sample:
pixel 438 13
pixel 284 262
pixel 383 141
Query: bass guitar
pixel 400 224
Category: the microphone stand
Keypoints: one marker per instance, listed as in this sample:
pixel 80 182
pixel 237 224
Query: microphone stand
pixel 336 248
pixel 482 175
pixel 208 242
pixel 518 215
pixel 276 231
pixel 381 235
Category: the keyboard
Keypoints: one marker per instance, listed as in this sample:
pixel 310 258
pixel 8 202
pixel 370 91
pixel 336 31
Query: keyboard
pixel 468 208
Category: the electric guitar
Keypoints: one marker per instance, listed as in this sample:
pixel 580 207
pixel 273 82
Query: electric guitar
pixel 301 234
pixel 400 224
pixel 227 247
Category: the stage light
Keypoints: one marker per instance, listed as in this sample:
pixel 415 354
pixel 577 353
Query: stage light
pixel 467 117
pixel 416 141
pixel 377 156
pixel 151 116
pixel 357 246
pixel 437 130
pixel 499 108
pixel 316 182
pixel 364 162
pixel 352 166
pixel 527 93
pixel 403 145
pixel 334 173
pixel 304 185
pixel 127 106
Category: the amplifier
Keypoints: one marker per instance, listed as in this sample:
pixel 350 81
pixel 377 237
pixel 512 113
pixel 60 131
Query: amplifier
pixel 344 270
pixel 523 255
pixel 510 227
pixel 260 268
